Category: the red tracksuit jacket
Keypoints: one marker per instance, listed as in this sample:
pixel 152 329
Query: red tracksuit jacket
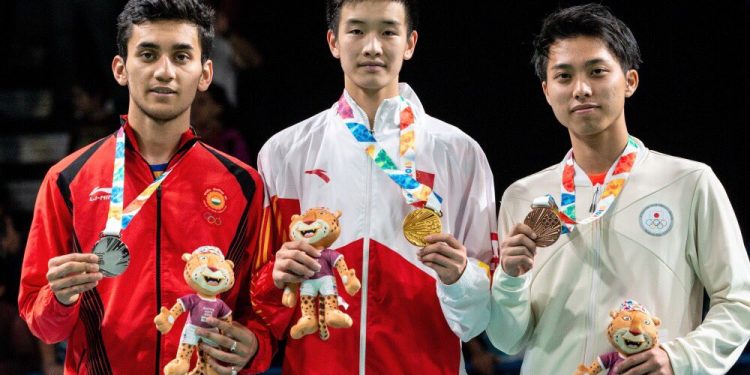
pixel 210 198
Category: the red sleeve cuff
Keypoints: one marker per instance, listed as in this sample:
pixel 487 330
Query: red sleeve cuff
pixel 266 349
pixel 266 300
pixel 58 308
pixel 49 319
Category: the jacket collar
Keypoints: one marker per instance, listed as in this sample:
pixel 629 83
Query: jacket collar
pixel 582 179
pixel 634 189
pixel 187 139
pixel 387 116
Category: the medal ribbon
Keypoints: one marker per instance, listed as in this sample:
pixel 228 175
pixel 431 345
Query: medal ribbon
pixel 615 181
pixel 404 176
pixel 117 219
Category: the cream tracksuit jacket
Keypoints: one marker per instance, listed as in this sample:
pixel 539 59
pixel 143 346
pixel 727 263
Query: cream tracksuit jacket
pixel 670 234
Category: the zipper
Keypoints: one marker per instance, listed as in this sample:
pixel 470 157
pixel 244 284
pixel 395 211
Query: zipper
pixel 595 200
pixel 593 331
pixel 158 275
pixel 180 151
pixel 365 269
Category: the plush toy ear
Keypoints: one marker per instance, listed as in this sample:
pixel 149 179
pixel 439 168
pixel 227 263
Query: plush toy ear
pixel 186 257
pixel 231 264
pixel 337 214
pixel 656 321
pixel 613 313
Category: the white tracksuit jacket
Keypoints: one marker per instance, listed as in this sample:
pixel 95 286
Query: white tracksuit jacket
pixel 405 319
pixel 670 234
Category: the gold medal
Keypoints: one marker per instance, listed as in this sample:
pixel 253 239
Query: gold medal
pixel 420 223
pixel 545 223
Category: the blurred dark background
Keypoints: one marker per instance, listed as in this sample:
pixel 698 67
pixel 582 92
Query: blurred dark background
pixel 471 69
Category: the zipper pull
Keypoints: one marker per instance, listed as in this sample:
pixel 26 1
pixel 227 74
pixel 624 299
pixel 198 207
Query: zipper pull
pixel 595 200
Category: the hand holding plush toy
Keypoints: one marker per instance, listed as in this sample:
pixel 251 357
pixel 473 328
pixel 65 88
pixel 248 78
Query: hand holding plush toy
pixel 320 228
pixel 209 274
pixel 632 330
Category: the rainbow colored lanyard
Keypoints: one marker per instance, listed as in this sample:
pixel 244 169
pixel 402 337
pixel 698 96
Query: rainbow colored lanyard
pixel 614 182
pixel 117 220
pixel 404 176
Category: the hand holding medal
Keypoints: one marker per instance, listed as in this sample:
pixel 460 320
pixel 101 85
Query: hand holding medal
pixel 445 255
pixel 70 275
pixel 423 221
pixel 548 221
pixel 543 220
pixel 419 224
pixel 422 227
pixel 541 228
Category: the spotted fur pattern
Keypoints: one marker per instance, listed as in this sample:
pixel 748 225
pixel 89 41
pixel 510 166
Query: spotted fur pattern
pixel 181 363
pixel 594 369
pixel 336 318
pixel 208 273
pixel 320 228
pixel 322 327
pixel 308 323
pixel 201 366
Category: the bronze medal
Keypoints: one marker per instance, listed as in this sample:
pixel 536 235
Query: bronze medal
pixel 113 254
pixel 545 223
pixel 420 223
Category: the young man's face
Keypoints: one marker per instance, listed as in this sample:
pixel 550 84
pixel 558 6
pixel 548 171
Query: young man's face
pixel 586 86
pixel 372 44
pixel 163 69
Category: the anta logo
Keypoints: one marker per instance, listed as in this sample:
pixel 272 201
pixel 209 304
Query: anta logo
pixel 100 194
pixel 320 173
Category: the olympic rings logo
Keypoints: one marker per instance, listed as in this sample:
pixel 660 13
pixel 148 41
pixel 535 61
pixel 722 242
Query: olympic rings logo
pixel 211 219
pixel 657 223
pixel 656 219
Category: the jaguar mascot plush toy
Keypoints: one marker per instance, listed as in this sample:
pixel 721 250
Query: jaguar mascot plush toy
pixel 209 274
pixel 632 330
pixel 320 228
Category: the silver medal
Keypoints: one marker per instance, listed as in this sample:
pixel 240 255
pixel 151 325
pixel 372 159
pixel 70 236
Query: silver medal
pixel 113 254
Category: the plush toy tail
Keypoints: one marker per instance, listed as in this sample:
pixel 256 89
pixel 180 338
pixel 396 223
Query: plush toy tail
pixel 322 327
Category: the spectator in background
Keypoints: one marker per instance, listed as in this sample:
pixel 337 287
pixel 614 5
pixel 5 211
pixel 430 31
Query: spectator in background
pixel 11 256
pixel 20 352
pixel 93 114
pixel 18 348
pixel 212 117
pixel 231 54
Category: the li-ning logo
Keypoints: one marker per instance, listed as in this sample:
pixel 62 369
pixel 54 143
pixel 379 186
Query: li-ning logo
pixel 100 194
pixel 656 219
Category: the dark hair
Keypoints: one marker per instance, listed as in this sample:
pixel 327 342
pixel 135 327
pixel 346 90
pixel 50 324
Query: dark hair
pixel 140 11
pixel 594 20
pixel 333 13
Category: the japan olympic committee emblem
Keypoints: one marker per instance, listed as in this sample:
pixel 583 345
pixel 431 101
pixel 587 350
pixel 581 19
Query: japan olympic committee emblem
pixel 656 219
pixel 215 200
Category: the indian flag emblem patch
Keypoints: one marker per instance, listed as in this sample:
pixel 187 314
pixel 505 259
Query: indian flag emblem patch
pixel 215 200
